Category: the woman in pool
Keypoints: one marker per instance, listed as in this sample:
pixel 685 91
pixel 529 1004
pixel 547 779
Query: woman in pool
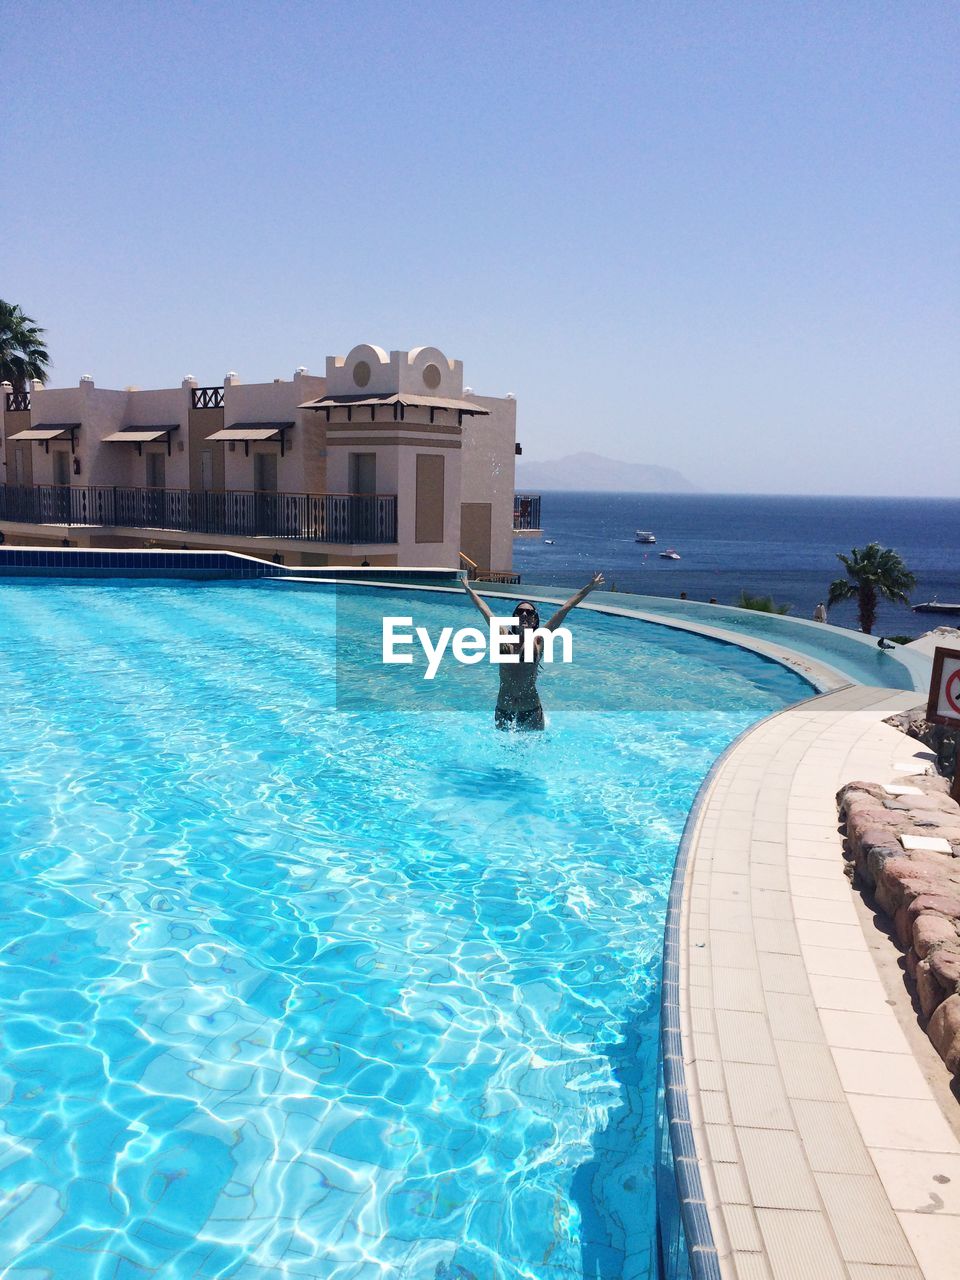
pixel 518 702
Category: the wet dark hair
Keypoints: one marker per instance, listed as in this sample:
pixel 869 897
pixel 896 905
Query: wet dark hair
pixel 526 607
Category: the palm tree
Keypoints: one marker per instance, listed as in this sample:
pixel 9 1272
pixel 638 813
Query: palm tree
pixel 872 571
pixel 23 354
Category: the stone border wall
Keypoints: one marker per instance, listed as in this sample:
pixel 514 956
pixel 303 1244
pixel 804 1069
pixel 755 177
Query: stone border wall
pixel 905 845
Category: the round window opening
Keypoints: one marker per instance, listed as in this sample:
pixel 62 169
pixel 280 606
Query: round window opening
pixel 361 373
pixel 431 377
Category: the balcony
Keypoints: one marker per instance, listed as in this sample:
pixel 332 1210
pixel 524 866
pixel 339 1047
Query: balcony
pixel 18 402
pixel 526 512
pixel 342 518
pixel 207 398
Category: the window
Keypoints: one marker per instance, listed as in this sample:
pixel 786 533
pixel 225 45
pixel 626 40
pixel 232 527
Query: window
pixel 156 470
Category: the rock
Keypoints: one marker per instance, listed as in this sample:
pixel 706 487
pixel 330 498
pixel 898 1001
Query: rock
pixel 944 903
pixel 900 880
pixel 930 931
pixel 944 1032
pixel 945 967
pixel 875 852
pixel 864 788
pixel 929 991
pixel 912 960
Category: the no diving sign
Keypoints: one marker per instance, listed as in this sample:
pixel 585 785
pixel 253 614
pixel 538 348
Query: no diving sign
pixel 943 705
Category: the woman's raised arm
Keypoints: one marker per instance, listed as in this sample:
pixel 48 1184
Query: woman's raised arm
pixel 558 617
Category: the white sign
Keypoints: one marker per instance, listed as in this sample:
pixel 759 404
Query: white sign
pixel 943 706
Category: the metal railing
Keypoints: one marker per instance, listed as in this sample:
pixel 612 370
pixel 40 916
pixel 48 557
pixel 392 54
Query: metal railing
pixel 207 397
pixel 18 401
pixel 526 511
pixel 324 517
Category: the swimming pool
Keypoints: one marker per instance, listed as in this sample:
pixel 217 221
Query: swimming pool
pixel 297 981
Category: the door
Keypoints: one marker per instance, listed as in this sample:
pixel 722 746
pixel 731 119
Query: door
pixel 265 492
pixel 153 497
pixel 363 473
pixel 206 470
pixel 61 482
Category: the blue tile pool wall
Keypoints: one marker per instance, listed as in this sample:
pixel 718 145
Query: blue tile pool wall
pixel 31 562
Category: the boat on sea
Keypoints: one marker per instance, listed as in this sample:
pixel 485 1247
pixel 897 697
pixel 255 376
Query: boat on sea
pixel 670 554
pixel 644 535
pixel 936 606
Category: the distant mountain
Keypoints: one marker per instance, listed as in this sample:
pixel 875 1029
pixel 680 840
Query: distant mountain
pixel 596 474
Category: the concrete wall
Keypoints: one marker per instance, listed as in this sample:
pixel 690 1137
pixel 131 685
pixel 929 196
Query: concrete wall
pixel 301 469
pixel 100 412
pixel 489 463
pixel 422 371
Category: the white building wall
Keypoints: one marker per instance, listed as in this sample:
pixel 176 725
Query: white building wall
pixel 489 466
pixel 100 412
pixel 276 401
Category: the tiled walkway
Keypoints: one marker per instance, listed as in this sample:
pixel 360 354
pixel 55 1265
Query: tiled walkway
pixel 823 1151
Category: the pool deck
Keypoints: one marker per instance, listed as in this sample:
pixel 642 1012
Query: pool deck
pixel 823 1149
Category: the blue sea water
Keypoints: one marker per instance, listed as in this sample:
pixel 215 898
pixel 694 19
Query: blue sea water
pixel 294 990
pixel 780 546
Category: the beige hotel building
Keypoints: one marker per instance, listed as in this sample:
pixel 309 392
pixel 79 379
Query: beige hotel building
pixel 386 460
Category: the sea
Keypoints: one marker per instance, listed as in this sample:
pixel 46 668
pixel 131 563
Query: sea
pixel 784 547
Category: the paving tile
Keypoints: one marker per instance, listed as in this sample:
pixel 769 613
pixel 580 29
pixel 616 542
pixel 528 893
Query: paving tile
pixel 830 1137
pixel 835 961
pixel 886 1075
pixel 903 1123
pixel 751 1266
pixel 772 851
pixel 737 989
pixel 800 1246
pixel 744 1037
pixel 920 1182
pixel 730 949
pixel 779 936
pixel 866 1227
pixel 769 875
pixel 757 1096
pixel 741 1226
pixel 731 1184
pixel 713 1107
pixel 874 1271
pixel 935 1241
pixel 808 1071
pixel 879 1032
pixel 822 888
pixel 842 937
pixel 709 1076
pixel 776 1171
pixel 829 910
pixel 851 995
pixel 721 1143
pixel 795 1017
pixel 786 974
pixel 771 904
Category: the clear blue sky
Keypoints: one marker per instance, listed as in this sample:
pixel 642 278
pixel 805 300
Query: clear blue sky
pixel 721 237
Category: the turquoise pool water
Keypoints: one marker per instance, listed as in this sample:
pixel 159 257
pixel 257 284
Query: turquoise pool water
pixel 293 987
